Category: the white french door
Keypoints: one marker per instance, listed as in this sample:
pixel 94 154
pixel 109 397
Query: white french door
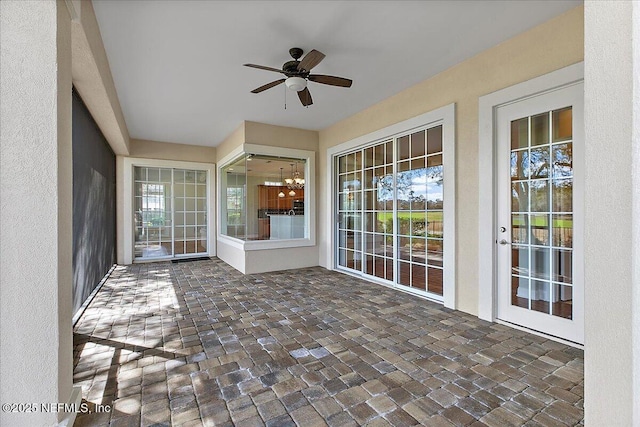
pixel 170 218
pixel 539 241
pixel 390 211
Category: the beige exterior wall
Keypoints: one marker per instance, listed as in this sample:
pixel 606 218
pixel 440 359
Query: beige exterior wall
pixel 547 47
pixel 167 151
pixel 36 215
pixel 280 136
pixel 230 143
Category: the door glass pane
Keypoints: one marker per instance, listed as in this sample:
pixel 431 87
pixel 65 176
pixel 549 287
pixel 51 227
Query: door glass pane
pixel 152 201
pixel 562 301
pixel 541 174
pixel 562 124
pixel 540 295
pixel 520 291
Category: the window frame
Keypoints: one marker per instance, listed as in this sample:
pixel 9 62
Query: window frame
pixel 309 198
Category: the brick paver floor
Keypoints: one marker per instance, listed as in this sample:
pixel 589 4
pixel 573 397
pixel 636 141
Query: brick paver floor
pixel 197 343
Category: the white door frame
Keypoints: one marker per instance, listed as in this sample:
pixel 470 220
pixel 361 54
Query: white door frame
pixel 488 104
pixel 446 116
pixel 126 202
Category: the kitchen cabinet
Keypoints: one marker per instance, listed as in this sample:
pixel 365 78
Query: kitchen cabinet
pixel 268 197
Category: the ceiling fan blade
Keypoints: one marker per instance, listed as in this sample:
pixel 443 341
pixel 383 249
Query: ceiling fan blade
pixel 310 60
pixel 262 67
pixel 305 97
pixel 330 80
pixel 268 86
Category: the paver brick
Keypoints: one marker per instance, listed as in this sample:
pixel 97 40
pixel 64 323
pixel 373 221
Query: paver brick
pixel 307 346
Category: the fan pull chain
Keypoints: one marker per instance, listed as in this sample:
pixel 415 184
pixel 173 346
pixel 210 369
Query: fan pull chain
pixel 285 97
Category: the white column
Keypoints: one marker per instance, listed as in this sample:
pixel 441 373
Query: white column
pixel 612 214
pixel 35 209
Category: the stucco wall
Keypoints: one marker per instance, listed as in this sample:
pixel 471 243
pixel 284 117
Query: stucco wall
pixel 547 47
pixel 35 208
pixel 230 143
pixel 168 151
pixel 93 80
pixel 612 219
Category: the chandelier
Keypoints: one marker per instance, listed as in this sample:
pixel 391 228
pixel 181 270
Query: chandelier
pixel 295 182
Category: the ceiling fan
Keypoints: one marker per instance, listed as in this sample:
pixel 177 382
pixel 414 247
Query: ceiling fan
pixel 299 72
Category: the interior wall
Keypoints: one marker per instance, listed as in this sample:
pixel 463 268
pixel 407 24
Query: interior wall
pixel 94 204
pixel 545 48
pixel 36 200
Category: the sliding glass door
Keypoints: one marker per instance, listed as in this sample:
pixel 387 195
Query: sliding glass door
pixel 170 212
pixel 390 211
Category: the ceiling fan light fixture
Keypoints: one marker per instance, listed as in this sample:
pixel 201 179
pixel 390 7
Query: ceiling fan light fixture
pixel 296 83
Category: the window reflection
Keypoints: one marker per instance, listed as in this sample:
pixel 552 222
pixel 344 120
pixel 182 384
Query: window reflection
pixel 263 197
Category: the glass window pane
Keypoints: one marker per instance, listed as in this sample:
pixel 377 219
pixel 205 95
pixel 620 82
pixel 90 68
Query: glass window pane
pixel 434 280
pixel 368 269
pixel 562 160
pixel 435 252
pixel 388 152
pixel 520 164
pixel 417 144
pixel 562 124
pixel 562 265
pixel 540 129
pixel 540 263
pixel 388 269
pixel 540 295
pixel 540 230
pixel 342 164
pixel 520 260
pixel 369 180
pixel 418 276
pixel 434 224
pixel 153 175
pixel 563 195
pixel 434 160
pixel 165 175
pixel 520 291
pixel 368 157
pixel 379 156
pixel 404 223
pixel 404 248
pixel 539 162
pixel 539 190
pixel 404 276
pixel 562 301
pixel 140 174
pixel 434 140
pixel 520 133
pixel 418 224
pixel 403 148
pixel 419 250
pixel 563 230
pixel 520 196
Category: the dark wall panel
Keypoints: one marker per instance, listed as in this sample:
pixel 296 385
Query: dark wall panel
pixel 94 204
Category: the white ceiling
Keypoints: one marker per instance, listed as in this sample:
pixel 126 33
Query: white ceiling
pixel 177 65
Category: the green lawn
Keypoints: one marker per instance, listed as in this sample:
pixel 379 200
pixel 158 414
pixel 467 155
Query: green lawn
pixel 542 221
pixel 432 216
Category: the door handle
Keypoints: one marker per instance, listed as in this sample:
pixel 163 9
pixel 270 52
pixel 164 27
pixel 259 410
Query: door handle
pixel 503 242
